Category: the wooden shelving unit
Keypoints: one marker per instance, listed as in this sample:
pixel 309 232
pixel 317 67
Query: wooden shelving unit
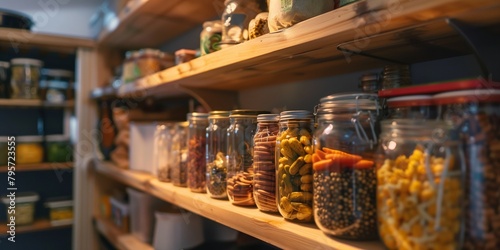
pixel 121 240
pixel 38 225
pixel 56 166
pixel 271 228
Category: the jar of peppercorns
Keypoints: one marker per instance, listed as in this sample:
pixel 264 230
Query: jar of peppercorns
pixel 475 114
pixel 243 124
pixel 197 143
pixel 178 156
pixel 294 167
pixel 218 122
pixel 419 185
pixel 264 180
pixel 344 175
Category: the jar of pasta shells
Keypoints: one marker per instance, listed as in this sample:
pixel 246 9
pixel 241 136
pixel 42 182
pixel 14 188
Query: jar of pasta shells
pixel 218 123
pixel 197 143
pixel 419 185
pixel 294 167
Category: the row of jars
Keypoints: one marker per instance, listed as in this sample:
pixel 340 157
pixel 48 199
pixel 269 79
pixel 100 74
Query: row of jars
pixel 415 183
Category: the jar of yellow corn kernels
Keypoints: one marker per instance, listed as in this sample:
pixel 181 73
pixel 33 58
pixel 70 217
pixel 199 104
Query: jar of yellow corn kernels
pixel 344 175
pixel 419 185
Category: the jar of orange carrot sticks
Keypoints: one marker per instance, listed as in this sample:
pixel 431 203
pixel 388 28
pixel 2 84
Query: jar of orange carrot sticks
pixel 344 174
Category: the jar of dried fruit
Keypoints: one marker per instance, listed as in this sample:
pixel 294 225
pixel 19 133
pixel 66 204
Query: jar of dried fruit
pixel 419 185
pixel 294 166
pixel 218 122
pixel 197 143
pixel 344 175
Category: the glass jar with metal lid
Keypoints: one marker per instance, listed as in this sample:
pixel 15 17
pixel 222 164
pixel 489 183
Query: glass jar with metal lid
pixel 25 78
pixel 369 83
pixel 210 37
pixel 294 192
pixel 411 107
pixel 475 114
pixel 419 185
pixel 218 123
pixel 344 174
pixel 264 181
pixel 243 124
pixel 197 143
pixel 162 148
pixel 179 154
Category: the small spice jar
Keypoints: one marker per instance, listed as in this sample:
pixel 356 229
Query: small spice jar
pixel 419 185
pixel 411 107
pixel 475 115
pixel 179 155
pixel 343 165
pixel 264 181
pixel 218 123
pixel 197 143
pixel 25 78
pixel 210 37
pixel 294 178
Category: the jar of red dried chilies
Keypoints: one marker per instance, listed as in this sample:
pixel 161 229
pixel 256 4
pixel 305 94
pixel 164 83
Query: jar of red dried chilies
pixel 196 167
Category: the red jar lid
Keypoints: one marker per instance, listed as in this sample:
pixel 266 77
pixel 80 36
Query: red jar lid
pixel 410 101
pixel 467 96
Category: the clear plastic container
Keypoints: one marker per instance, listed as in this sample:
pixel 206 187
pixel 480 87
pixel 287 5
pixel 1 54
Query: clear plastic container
pixel 264 180
pixel 179 155
pixel 197 145
pixel 216 154
pixel 56 85
pixel 419 185
pixel 411 107
pixel 29 149
pixel 344 181
pixel 25 78
pixel 294 177
pixel 210 37
pixel 58 148
pixel 24 204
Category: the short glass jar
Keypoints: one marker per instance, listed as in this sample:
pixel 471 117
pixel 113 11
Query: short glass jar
pixel 210 37
pixel 179 155
pixel 294 179
pixel 264 161
pixel 218 123
pixel 197 144
pixel 236 17
pixel 56 85
pixel 29 149
pixel 25 78
pixel 58 148
pixel 419 185
pixel 344 174
pixel 411 107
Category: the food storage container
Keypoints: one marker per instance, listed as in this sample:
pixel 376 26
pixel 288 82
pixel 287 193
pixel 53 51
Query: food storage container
pixel 369 83
pixel 197 143
pixel 264 180
pixel 218 122
pixel 412 107
pixel 4 79
pixel 184 55
pixel 24 204
pixel 162 148
pixel 235 19
pixel 60 211
pixel 179 155
pixel 283 14
pixel 29 149
pixel 294 177
pixel 344 174
pixel 475 114
pixel 419 185
pixel 172 231
pixel 210 37
pixel 120 213
pixel 25 78
pixel 144 62
pixel 142 207
pixel 395 76
pixel 56 85
pixel 242 128
pixel 58 148
pixel 141 147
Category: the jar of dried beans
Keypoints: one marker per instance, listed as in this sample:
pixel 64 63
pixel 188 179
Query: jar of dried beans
pixel 294 167
pixel 218 122
pixel 197 142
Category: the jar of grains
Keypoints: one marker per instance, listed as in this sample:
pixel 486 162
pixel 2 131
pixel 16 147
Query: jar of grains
pixel 294 169
pixel 179 155
pixel 264 181
pixel 475 114
pixel 419 185
pixel 218 122
pixel 344 179
pixel 197 142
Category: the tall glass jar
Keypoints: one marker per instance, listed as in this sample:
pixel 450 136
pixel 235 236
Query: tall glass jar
pixel 197 144
pixel 243 124
pixel 294 165
pixel 344 180
pixel 419 189
pixel 179 155
pixel 218 123
pixel 475 114
pixel 210 37
pixel 264 181
pixel 162 148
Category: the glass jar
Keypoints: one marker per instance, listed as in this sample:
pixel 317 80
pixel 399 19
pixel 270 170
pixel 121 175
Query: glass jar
pixel 25 78
pixel 29 149
pixel 395 76
pixel 218 123
pixel 369 83
pixel 264 181
pixel 344 175
pixel 419 185
pixel 56 85
pixel 197 144
pixel 4 79
pixel 210 37
pixel 179 155
pixel 58 148
pixel 236 17
pixel 162 148
pixel 411 107
pixel 475 114
pixel 243 124
pixel 294 169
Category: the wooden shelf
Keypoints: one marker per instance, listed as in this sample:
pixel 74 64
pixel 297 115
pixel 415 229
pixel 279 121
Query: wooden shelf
pixel 38 225
pixel 271 228
pixel 40 166
pixel 309 50
pixel 120 239
pixel 35 103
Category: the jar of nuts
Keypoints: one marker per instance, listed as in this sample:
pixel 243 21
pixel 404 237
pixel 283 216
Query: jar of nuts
pixel 294 167
pixel 419 185
pixel 218 122
pixel 475 114
pixel 197 143
pixel 344 174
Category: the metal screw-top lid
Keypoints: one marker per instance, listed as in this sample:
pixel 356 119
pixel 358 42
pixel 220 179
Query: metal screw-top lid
pixel 296 114
pixel 247 113
pixel 351 102
pixel 268 118
pixel 218 114
pixel 197 116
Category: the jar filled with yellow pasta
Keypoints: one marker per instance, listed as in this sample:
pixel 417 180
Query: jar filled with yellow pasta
pixel 419 185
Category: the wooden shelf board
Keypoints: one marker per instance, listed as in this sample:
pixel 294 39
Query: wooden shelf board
pixel 121 240
pixel 17 38
pixel 35 103
pixel 271 228
pixel 38 225
pixel 40 166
